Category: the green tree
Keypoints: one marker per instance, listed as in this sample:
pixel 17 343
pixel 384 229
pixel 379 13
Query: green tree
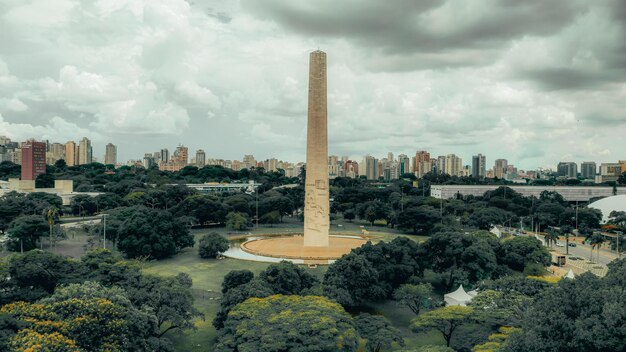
pixel 353 280
pixel 169 298
pixel 35 274
pixel 140 231
pixel 109 201
pixel 236 278
pixel 518 252
pixel 349 215
pixel 83 205
pixel 429 348
pixel 459 258
pixel 212 244
pixel 202 208
pixel 90 324
pixel 551 236
pixel 591 318
pixel 413 296
pixel 446 320
pixel 496 341
pixel 314 324
pixel 273 217
pixel 236 221
pixel 418 220
pixel 287 278
pixel 499 308
pixel 378 331
pixel 12 205
pixel 235 295
pixel 26 231
pixel 485 218
pixel 41 201
pixel 9 326
pixel 595 241
pixel 44 181
pixel 29 340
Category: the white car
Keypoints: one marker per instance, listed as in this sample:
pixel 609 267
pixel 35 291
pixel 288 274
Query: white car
pixel 559 244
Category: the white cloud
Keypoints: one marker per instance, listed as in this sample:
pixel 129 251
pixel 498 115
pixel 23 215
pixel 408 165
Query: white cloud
pixel 209 73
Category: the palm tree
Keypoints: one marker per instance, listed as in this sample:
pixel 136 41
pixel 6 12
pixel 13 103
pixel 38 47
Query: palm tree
pixel 567 232
pixel 551 236
pixel 596 241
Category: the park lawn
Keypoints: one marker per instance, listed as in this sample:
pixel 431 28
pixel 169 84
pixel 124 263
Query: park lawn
pixel 208 274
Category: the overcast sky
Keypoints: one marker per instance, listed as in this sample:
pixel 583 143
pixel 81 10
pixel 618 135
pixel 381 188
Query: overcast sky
pixel 531 81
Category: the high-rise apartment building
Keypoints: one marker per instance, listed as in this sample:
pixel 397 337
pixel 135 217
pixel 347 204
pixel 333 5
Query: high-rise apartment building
pixel 351 169
pixel 610 171
pixel 454 165
pixel 567 169
pixel 623 165
pixel 422 163
pixel 71 157
pixel 248 162
pixel 85 152
pixel 404 164
pixel 440 166
pixel 200 158
pixel 181 155
pixel 33 159
pixel 588 170
pixel 479 166
pixel 56 152
pixel 333 166
pixel 500 168
pixel 165 155
pixel 110 154
pixel 371 168
pixel 148 160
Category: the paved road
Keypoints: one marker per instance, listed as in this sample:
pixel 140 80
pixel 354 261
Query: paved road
pixel 584 251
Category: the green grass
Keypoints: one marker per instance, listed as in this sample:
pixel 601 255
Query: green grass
pixel 207 276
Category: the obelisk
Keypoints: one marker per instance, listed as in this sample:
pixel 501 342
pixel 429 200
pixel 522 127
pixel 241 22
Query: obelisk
pixel 316 192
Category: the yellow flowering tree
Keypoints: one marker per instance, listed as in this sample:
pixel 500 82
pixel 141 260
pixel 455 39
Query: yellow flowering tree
pixel 287 323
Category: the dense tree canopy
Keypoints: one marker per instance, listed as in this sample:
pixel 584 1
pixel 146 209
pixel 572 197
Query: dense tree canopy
pixel 141 231
pixel 592 319
pixel 519 252
pixel 459 258
pixel 211 245
pixel 288 323
pixel 25 232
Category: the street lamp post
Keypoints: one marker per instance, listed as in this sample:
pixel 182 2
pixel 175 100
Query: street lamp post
pixel 256 188
pixel 104 230
pixel 576 215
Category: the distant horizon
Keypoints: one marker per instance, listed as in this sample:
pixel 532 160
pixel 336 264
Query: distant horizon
pixel 526 83
pixel 358 158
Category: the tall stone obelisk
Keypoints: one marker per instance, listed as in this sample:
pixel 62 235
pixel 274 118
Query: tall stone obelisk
pixel 316 192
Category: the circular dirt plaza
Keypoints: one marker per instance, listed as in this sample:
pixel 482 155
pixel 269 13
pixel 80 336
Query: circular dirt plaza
pixel 292 247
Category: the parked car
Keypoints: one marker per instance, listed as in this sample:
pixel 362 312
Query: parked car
pixel 572 244
pixel 559 244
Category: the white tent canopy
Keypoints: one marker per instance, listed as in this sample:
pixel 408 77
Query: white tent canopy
pixel 570 274
pixel 458 297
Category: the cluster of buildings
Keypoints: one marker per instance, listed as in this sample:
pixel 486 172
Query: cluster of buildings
pixel 73 153
pixel 34 155
pixel 390 168
pixel 589 171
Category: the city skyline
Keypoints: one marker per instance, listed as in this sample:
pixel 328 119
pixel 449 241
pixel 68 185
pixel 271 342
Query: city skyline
pixel 230 77
pixel 388 168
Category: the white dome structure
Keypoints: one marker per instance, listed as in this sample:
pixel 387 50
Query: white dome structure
pixel 609 204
